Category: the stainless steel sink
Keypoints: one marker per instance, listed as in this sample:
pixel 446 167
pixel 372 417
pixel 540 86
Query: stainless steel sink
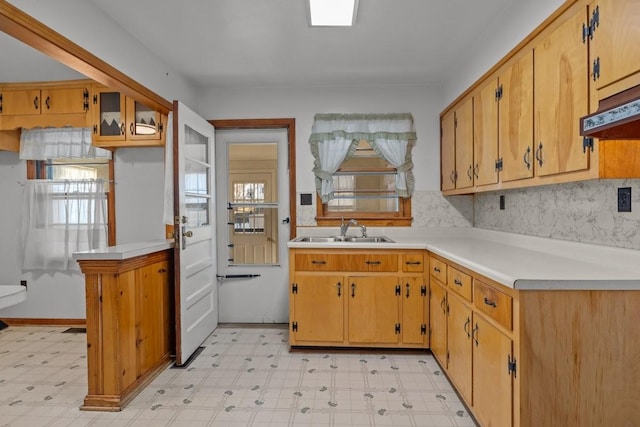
pixel 341 239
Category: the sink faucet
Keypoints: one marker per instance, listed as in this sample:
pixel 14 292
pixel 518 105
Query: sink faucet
pixel 344 226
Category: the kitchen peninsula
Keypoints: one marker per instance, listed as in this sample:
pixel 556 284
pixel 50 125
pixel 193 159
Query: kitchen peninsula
pixel 531 331
pixel 129 296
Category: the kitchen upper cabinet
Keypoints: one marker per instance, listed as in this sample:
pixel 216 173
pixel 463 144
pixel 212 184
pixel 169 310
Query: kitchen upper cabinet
pixel 119 121
pixel 515 119
pixel 561 98
pixel 44 104
pixel 457 147
pixel 20 102
pixel 485 134
pixel 448 151
pixel 614 46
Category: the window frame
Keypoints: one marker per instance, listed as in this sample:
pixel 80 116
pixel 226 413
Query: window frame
pixel 33 173
pixel 401 218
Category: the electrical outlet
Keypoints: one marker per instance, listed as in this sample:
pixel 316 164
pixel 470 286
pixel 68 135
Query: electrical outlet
pixel 624 199
pixel 305 199
pixel 502 202
pixel 23 283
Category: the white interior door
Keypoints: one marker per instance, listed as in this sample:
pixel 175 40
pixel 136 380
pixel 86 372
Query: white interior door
pixel 194 231
pixel 253 224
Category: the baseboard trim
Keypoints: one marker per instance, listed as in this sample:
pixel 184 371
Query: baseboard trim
pixel 19 321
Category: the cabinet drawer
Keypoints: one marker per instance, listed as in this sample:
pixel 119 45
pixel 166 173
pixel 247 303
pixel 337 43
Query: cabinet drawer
pixel 382 262
pixel 493 303
pixel 438 269
pixel 459 282
pixel 318 262
pixel 412 263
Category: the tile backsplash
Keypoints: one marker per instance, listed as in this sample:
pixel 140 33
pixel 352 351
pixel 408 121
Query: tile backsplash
pixel 585 211
pixel 429 209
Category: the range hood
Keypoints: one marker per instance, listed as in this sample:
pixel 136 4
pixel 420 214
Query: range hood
pixel 618 117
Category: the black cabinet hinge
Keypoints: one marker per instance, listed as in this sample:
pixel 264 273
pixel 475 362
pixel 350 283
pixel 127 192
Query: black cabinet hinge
pixel 499 164
pixel 423 329
pixel 423 290
pixel 397 289
pixel 596 69
pixel 587 142
pixel 499 92
pixel 397 328
pixel 160 127
pixel 294 288
pixel 95 99
pixel 294 326
pixel 511 365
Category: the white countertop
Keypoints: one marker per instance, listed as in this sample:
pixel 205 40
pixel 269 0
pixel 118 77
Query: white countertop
pixel 514 260
pixel 125 251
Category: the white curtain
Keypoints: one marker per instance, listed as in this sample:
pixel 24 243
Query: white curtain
pixel 60 218
pixel 168 172
pixel 53 143
pixel 334 138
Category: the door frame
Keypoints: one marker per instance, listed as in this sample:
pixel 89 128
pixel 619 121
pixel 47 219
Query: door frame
pixel 286 123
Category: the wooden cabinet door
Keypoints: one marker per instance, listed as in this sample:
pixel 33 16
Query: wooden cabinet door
pixel 492 381
pixel 615 40
pixel 414 310
pixel 65 100
pixel 20 102
pixel 464 144
pixel 317 308
pixel 438 323
pixel 561 98
pixel 153 315
pixel 109 115
pixel 373 310
pixel 448 151
pixel 485 134
pixel 516 120
pixel 142 123
pixel 459 345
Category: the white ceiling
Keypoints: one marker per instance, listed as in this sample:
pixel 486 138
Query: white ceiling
pixel 269 43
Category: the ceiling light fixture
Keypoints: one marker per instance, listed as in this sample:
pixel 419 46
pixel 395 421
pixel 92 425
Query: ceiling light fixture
pixel 332 13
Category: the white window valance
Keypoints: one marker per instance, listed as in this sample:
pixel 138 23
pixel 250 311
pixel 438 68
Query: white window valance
pixel 334 139
pixel 53 143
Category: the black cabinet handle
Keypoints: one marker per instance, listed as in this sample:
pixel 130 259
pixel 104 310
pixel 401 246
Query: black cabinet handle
pixel 457 282
pixel 339 289
pixel 35 102
pixel 318 262
pixel 412 262
pixel 46 102
pixel 488 302
pixel 353 290
pixel 373 262
pixel 407 285
pixel 436 269
pixel 466 327
pixel 474 334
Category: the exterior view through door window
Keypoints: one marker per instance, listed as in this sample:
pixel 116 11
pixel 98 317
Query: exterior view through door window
pixel 253 203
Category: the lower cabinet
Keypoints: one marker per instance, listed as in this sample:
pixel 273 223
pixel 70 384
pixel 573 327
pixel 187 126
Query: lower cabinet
pixel 359 298
pixel 129 326
pixel 471 337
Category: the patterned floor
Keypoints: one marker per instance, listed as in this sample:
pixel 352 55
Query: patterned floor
pixel 243 377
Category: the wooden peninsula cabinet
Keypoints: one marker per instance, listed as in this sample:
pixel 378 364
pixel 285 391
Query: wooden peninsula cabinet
pixel 129 325
pixel 536 356
pixel 358 298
